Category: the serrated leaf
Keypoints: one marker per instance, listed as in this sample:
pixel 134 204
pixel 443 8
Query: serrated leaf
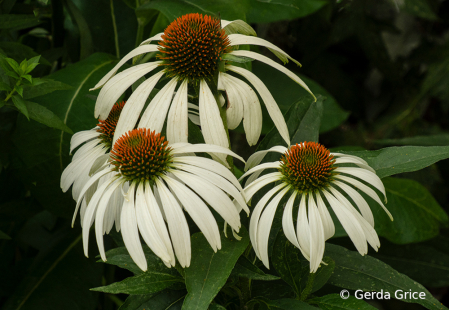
pixel 209 271
pixel 41 87
pixel 355 272
pixel 18 21
pixel 31 67
pixel 28 77
pixel 19 90
pixel 44 116
pixel 244 268
pixel 14 65
pixel 20 105
pixel 394 160
pixel 165 300
pixel 34 60
pixel 145 283
pixel 335 302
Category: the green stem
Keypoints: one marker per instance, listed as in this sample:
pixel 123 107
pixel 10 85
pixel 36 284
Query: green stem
pixel 245 288
pixel 114 25
pixel 306 292
pixel 139 35
pixel 116 300
pixel 10 95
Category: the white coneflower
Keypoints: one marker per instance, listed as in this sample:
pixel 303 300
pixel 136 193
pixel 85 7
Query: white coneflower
pixel 94 143
pixel 164 179
pixel 310 175
pixel 190 51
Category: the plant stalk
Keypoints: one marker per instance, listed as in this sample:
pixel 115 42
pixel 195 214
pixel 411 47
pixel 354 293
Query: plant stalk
pixel 308 289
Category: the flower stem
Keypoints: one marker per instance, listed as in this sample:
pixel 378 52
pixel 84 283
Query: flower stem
pixel 139 35
pixel 10 95
pixel 114 25
pixel 308 289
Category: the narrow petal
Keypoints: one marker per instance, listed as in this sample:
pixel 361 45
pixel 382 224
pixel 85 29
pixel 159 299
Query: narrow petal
pixel 117 85
pixel 303 228
pixel 254 187
pixel 156 112
pixel 270 103
pixel 207 148
pixel 211 122
pixel 257 157
pixel 133 107
pixel 326 219
pixel 177 224
pixel 275 65
pixel 316 235
pixel 82 137
pixel 177 121
pixel 365 175
pixel 352 156
pixel 156 37
pixel 287 221
pixel 234 111
pixel 130 232
pixel 264 228
pixel 198 211
pixel 239 26
pixel 137 51
pixel 264 166
pixel 352 160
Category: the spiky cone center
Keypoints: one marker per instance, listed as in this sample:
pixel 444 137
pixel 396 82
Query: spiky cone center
pixel 141 155
pixel 107 127
pixel 192 46
pixel 307 167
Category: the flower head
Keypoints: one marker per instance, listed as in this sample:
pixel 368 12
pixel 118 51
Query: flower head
pixel 191 52
pixel 161 180
pixel 313 178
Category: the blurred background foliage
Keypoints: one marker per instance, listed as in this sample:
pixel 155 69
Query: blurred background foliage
pixel 382 66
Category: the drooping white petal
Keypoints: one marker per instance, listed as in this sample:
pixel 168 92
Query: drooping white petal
pixel 177 120
pixel 303 228
pixel 352 160
pixel 133 107
pixel 158 221
pixel 137 51
pixel 264 166
pixel 198 211
pixel 275 65
pixel 352 156
pixel 287 221
pixel 359 201
pixel 264 227
pixel 115 202
pixel 316 235
pixel 214 196
pixel 238 26
pixel 254 187
pixel 257 157
pixel 207 148
pixel 211 122
pixel 177 224
pixel 156 37
pixel 217 180
pixel 117 85
pixel 238 39
pixel 326 219
pixel 349 223
pixel 270 103
pixel 364 189
pixel 156 112
pixel 100 215
pixel 234 110
pixel 81 137
pixel 365 175
pixel 130 232
pixel 255 216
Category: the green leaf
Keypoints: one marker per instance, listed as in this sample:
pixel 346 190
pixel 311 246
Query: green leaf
pixel 19 90
pixel 237 59
pixel 309 127
pixel 45 87
pixel 294 268
pixel 21 105
pixel 272 11
pixel 23 66
pixel 145 283
pixel 14 65
pixel 34 60
pixel 44 116
pixel 285 304
pixel 121 258
pixel 84 31
pixel 335 302
pixel 18 21
pixel 19 52
pixel 355 272
pixel 43 165
pixel 430 140
pixel 244 268
pixel 422 262
pixel 165 300
pixel 172 9
pixel 4 236
pixel 5 87
pixel 285 91
pixel 209 271
pixel 394 160
pixel 28 77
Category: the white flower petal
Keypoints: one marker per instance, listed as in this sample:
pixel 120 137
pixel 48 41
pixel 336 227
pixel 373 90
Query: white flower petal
pixel 257 157
pixel 115 87
pixel 234 110
pixel 81 137
pixel 156 112
pixel 130 232
pixel 137 51
pixel 352 156
pixel 207 148
pixel 239 26
pixel 264 226
pixel 365 175
pixel 326 219
pixel 198 211
pixel 156 37
pixel 177 224
pixel 254 187
pixel 316 235
pixel 352 160
pixel 270 103
pixel 303 228
pixel 275 65
pixel 264 166
pixel 287 221
pixel 133 107
pixel 177 120
pixel 211 122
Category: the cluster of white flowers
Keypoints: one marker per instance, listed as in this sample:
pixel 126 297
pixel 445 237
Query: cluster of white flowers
pixel 125 172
